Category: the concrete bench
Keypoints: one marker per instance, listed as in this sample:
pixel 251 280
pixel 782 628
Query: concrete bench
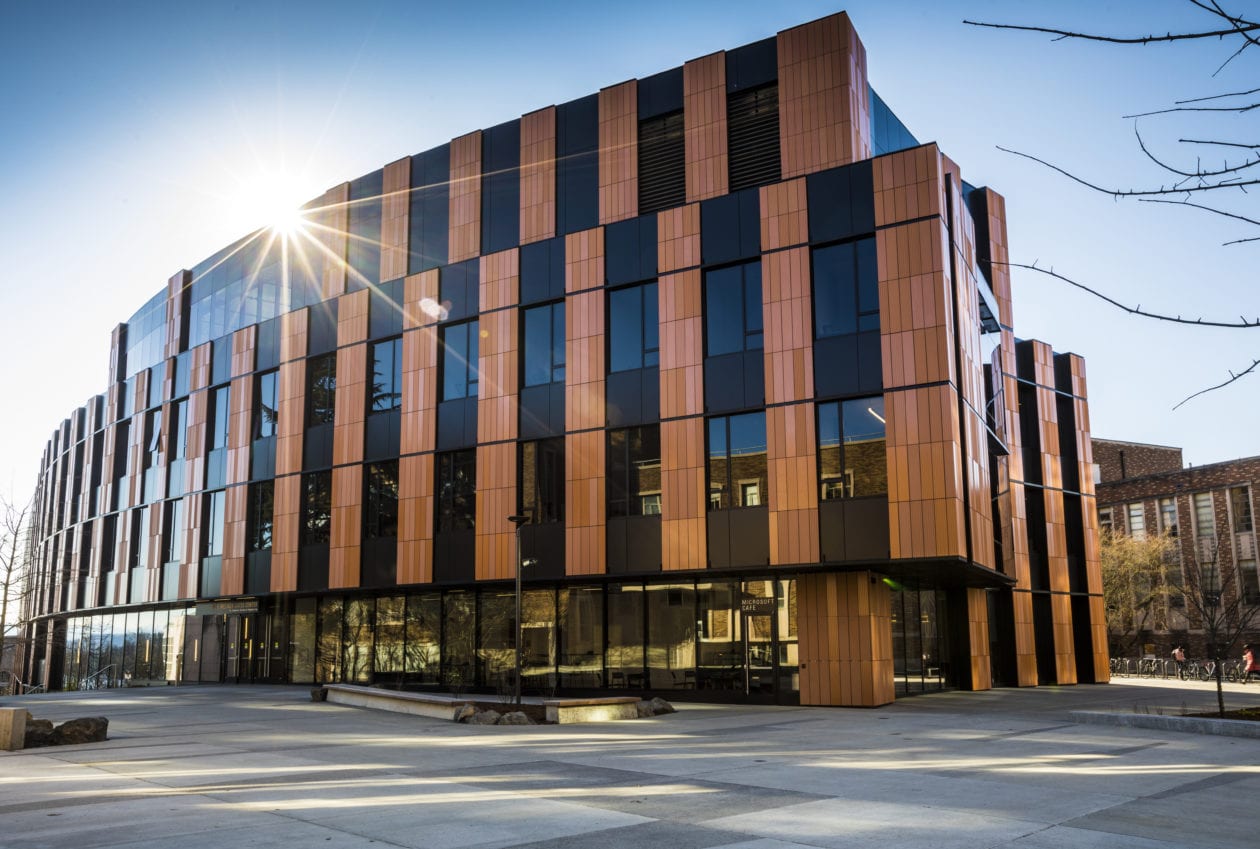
pixel 13 728
pixel 592 710
pixel 436 705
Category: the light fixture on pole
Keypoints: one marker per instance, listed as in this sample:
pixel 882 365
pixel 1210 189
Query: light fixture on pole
pixel 516 678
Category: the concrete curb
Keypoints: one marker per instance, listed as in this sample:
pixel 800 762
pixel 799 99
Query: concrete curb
pixel 1185 724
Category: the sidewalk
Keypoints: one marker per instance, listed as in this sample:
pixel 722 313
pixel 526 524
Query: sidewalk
pixel 263 766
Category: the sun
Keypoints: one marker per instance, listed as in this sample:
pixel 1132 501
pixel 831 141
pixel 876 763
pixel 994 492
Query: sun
pixel 272 199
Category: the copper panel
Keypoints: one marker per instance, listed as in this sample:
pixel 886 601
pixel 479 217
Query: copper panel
pixel 236 511
pixel 496 555
pixel 352 317
pixel 788 318
pixel 585 507
pixel 684 498
pixel 195 451
pixel 792 458
pixel 420 354
pixel 498 365
pixel 284 533
pixel 981 673
pixel 199 367
pixel 290 417
pixel 704 122
pixel 176 293
pixel 346 529
pixel 908 185
pixel 824 103
pixel 190 563
pixel 244 343
pixel 500 280
pixel 584 260
pixel 351 404
pixel 915 304
pixel 293 333
pixel 331 222
pixel 395 218
pixel 844 623
pixel 1064 650
pixel 1025 639
pixel 925 478
pixel 619 152
pixel 415 519
pixel 784 215
pixel 538 175
pixel 465 197
pixel 240 428
pixel 678 238
pixel 681 340
pixel 584 361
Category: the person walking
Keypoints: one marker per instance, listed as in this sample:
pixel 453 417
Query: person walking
pixel 1179 657
pixel 1251 663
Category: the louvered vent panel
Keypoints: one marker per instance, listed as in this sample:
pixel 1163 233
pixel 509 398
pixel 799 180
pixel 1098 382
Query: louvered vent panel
pixel 752 136
pixel 662 163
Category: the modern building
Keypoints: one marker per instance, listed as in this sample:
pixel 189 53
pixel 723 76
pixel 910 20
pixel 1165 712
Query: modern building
pixel 1209 510
pixel 737 346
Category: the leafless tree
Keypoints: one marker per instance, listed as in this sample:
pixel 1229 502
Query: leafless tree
pixel 13 549
pixel 1213 187
pixel 1135 585
pixel 1222 609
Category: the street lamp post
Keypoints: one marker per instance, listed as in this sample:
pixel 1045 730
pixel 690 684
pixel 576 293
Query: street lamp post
pixel 516 678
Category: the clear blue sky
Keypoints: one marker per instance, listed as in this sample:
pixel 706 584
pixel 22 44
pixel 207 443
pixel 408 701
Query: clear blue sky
pixel 140 137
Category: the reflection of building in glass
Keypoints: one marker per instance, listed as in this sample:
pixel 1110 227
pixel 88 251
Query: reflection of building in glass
pixel 738 346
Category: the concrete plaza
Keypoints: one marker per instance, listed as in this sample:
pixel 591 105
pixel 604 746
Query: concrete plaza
pixel 262 766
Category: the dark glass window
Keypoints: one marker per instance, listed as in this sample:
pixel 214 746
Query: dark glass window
pixel 456 490
pixel 732 309
pixel 752 136
pixel 500 187
pixel 153 439
pixel 737 461
pixel 212 525
pixel 852 458
pixel 577 165
pixel 380 504
pixel 218 418
pixel 261 513
pixel 363 247
pixel 544 345
pixel 386 376
pixel 633 331
pixel 321 389
pixel 630 250
pixel 267 408
pixel 634 471
pixel 846 289
pixel 173 533
pixel 542 480
pixel 542 270
pixel 316 507
pixel 459 360
pixel 429 213
pixel 662 163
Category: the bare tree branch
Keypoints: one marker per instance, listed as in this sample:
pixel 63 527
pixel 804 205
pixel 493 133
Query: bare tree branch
pixel 1239 109
pixel 1242 323
pixel 1199 173
pixel 1217 97
pixel 1109 39
pixel 1221 143
pixel 1127 193
pixel 1232 377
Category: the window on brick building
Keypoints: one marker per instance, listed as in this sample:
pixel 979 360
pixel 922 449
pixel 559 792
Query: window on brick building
pixel 1204 515
pixel 1168 516
pixel 1137 521
pixel 1240 509
pixel 1106 520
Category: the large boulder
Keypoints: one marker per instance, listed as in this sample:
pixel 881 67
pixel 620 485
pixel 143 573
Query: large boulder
pixel 660 706
pixel 91 729
pixel 644 709
pixel 515 717
pixel 484 717
pixel 38 733
pixel 464 712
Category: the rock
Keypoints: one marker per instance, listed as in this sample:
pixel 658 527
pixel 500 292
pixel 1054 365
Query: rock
pixel 38 733
pixel 90 729
pixel 644 709
pixel 660 706
pixel 484 717
pixel 516 717
pixel 463 713
pixel 319 694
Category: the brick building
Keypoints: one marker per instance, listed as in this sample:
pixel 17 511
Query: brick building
pixel 1210 510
